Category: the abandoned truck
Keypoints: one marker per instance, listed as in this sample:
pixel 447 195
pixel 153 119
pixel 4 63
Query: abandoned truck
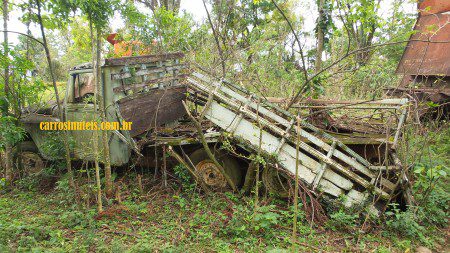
pixel 159 96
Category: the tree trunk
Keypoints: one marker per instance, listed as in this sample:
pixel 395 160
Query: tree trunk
pixel 108 181
pixel 28 32
pixel 95 66
pixel 58 101
pixel 216 38
pixel 320 37
pixel 8 148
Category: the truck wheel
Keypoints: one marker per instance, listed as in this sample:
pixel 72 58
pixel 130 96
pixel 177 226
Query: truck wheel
pixel 210 174
pixel 27 155
pixel 276 182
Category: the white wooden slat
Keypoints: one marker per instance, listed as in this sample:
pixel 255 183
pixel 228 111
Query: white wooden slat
pixel 354 197
pixel 264 111
pixel 237 99
pixel 250 133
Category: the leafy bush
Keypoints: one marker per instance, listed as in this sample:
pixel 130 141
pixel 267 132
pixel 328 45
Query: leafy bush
pixel 404 223
pixel 74 219
pixel 341 220
pixel 183 175
pixel 53 145
pixel 265 218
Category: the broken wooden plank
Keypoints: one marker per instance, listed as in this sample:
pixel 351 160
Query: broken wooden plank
pixel 309 149
pixel 389 101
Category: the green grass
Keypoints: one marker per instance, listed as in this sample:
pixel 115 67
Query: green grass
pixel 179 219
pixel 167 221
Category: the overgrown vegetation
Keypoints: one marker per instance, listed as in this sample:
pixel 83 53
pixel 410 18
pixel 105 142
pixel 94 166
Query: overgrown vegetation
pixel 253 43
pixel 40 217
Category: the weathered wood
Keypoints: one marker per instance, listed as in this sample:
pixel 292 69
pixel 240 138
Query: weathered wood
pixel 383 168
pixel 121 75
pixel 148 71
pixel 273 141
pixel 34 118
pixel 389 101
pixel 323 167
pixel 163 69
pixel 159 106
pixel 142 59
pixel 148 82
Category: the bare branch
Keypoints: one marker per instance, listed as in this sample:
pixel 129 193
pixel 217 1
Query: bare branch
pixel 26 35
pixel 305 73
pixel 294 99
pixel 222 60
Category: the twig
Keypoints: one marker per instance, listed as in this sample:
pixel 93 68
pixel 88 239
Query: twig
pixel 294 99
pixel 26 35
pixel 305 72
pixel 189 167
pixel 222 60
pixel 198 126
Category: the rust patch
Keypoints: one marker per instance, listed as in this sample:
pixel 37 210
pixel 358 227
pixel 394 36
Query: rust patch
pixel 428 58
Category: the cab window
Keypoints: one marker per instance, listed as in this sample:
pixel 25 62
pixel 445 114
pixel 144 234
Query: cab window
pixel 84 87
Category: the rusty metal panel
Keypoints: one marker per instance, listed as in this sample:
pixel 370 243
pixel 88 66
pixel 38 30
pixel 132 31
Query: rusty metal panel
pixel 428 58
pixel 153 108
pixel 435 95
pixel 429 7
pixel 142 59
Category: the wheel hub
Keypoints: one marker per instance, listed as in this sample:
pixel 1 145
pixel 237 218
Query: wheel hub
pixel 210 174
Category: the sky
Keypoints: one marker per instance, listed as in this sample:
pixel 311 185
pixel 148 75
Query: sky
pixel 304 8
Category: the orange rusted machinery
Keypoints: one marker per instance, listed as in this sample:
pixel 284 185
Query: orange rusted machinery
pixel 128 48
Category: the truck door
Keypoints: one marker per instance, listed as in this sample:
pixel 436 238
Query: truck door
pixel 79 108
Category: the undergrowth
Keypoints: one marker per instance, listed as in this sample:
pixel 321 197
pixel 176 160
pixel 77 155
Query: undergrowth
pixel 180 218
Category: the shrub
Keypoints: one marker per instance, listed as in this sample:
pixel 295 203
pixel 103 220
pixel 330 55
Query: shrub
pixel 341 220
pixel 404 223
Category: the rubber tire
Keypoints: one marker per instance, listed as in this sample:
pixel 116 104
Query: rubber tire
pixel 228 162
pixel 28 146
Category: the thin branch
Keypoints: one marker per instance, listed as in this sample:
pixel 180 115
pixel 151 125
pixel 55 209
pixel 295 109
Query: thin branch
pixel 294 99
pixel 222 60
pixel 305 73
pixel 26 35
